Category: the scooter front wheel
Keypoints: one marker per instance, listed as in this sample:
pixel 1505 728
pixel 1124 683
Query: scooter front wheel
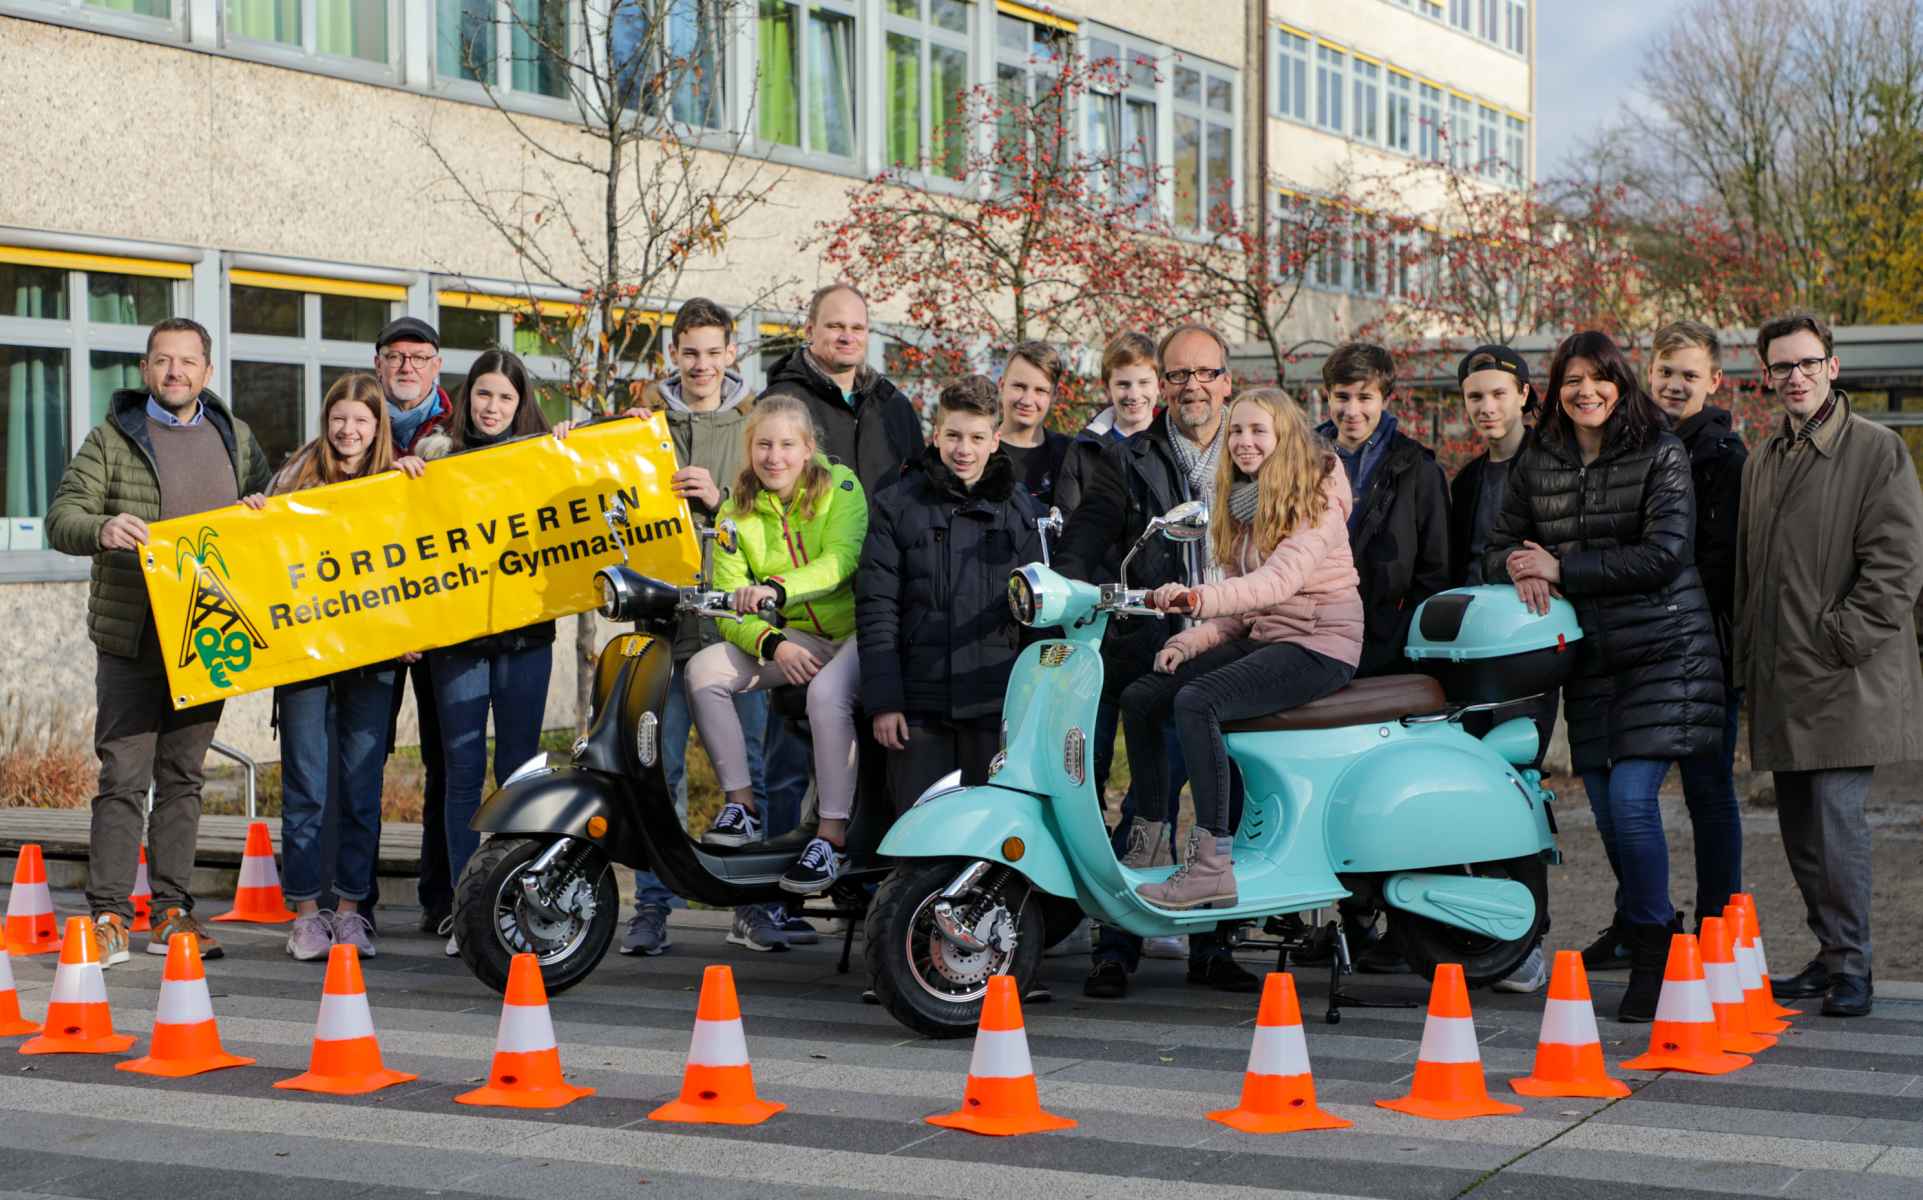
pixel 923 978
pixel 567 924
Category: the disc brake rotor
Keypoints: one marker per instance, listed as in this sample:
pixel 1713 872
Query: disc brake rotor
pixel 524 930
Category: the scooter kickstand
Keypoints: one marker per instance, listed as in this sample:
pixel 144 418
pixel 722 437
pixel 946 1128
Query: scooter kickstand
pixel 1339 965
pixel 847 944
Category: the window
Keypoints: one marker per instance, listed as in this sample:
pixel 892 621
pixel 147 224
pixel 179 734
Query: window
pixel 144 8
pixel 344 28
pixel 1515 151
pixel 807 85
pixel 1121 117
pixel 1462 131
pixel 1204 149
pixel 1489 142
pixel 1027 54
pixel 1399 113
pixel 465 48
pixel 468 46
pixel 1330 76
pixel 1364 116
pixel 1462 14
pixel 1515 31
pixel 925 84
pixel 688 58
pixel 1432 145
pixel 1291 75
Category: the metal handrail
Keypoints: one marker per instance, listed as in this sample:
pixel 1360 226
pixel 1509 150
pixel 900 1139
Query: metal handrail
pixel 253 772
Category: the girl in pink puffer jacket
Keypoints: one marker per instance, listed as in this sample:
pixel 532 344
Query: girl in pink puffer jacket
pixel 1281 628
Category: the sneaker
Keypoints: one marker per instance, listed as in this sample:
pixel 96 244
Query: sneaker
pixel 446 929
pixel 453 947
pixel 1037 993
pixel 868 996
pixel 799 932
pixel 178 920
pixel 1609 952
pixel 1527 978
pixel 1223 974
pixel 1379 958
pixel 647 932
pixel 353 929
pixel 1108 981
pixel 109 939
pixel 1075 941
pixel 1165 947
pixel 312 936
pixel 433 914
pixel 736 826
pixel 755 929
pixel 817 867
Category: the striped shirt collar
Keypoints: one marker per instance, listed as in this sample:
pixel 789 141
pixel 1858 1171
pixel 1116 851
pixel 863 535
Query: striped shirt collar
pixel 1815 423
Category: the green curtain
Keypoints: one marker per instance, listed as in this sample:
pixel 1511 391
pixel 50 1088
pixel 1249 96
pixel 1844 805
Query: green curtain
pixel 145 8
pixel 352 28
pixel 948 88
pixel 108 371
pixel 540 31
pixel 780 99
pixel 901 83
pixel 33 292
pixel 128 299
pixel 465 33
pixel 831 83
pixel 33 399
pixel 1188 171
pixel 269 20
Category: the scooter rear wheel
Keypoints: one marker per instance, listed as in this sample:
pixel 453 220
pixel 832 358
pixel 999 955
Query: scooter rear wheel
pixel 1425 943
pixel 494 921
pixel 930 986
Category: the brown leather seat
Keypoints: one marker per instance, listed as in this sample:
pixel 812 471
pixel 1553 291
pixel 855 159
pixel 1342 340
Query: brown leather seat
pixel 1363 702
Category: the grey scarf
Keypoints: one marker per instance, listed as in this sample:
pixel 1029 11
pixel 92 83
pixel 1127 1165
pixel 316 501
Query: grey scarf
pixel 1198 464
pixel 1243 496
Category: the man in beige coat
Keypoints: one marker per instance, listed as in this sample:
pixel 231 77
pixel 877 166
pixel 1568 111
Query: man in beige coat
pixel 1829 564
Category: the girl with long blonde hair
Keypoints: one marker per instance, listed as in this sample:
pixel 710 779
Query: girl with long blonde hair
pixel 1281 628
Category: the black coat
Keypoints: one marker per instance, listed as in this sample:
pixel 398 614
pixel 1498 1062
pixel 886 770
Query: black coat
pixel 1058 445
pixel 1465 493
pixel 1401 548
pixel 1716 458
pixel 879 438
pixel 1134 480
pixel 938 638
pixel 1078 464
pixel 1649 677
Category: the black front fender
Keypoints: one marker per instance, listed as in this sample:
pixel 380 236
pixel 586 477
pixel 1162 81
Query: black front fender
pixel 561 802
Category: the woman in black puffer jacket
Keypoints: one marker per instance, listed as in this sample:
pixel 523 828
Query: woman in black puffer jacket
pixel 1601 509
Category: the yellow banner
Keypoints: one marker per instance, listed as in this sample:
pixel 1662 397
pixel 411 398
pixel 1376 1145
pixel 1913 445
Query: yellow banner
pixel 337 577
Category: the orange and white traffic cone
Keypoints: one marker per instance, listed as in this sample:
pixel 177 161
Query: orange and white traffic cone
pixel 1569 1053
pixel 11 1022
pixel 1001 1098
pixel 718 1087
pixel 1762 960
pixel 1278 1092
pixel 78 1020
pixel 186 1040
pixel 1448 1084
pixel 347 1059
pixel 143 898
pixel 258 897
pixel 527 1061
pixel 31 928
pixel 1684 1037
pixel 1726 991
pixel 1762 1007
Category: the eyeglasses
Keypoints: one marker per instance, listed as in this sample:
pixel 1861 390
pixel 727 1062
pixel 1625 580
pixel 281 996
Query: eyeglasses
pixel 417 361
pixel 1199 374
pixel 1809 367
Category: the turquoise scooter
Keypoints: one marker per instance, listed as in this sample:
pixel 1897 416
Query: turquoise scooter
pixel 1375 792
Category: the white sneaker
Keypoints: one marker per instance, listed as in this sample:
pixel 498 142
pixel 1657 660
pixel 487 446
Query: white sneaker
pixel 454 947
pixel 1076 941
pixel 1165 947
pixel 1527 978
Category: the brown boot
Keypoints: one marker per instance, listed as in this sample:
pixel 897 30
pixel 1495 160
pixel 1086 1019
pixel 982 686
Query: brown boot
pixel 1205 879
pixel 1147 846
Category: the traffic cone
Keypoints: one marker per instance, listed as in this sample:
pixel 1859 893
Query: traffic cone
pixel 1278 1092
pixel 1726 991
pixel 1448 1083
pixel 31 928
pixel 258 897
pixel 718 1087
pixel 1000 1098
pixel 143 898
pixel 1684 1037
pixel 186 1041
pixel 1569 1053
pixel 1749 972
pixel 347 1059
pixel 527 1062
pixel 78 1021
pixel 1755 940
pixel 11 1022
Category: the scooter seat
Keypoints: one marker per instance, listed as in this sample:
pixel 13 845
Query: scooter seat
pixel 1363 702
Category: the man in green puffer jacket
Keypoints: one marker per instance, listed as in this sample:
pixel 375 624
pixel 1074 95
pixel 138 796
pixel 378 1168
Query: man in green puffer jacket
pixel 170 449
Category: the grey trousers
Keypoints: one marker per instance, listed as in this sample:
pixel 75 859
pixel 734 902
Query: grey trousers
pixel 141 739
pixel 1827 840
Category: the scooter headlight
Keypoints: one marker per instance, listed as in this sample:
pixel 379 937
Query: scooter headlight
pixel 1021 598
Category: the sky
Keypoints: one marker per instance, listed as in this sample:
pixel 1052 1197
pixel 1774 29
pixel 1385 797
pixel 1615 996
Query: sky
pixel 1586 67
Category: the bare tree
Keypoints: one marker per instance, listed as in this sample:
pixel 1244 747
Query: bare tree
pixel 641 186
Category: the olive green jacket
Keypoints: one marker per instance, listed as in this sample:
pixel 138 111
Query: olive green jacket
pixel 114 473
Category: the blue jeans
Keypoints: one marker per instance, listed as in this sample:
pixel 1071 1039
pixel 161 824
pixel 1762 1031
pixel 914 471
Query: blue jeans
pixel 1630 820
pixel 1108 716
pixel 1709 789
pixel 466 685
pixel 676 721
pixel 788 763
pixel 337 721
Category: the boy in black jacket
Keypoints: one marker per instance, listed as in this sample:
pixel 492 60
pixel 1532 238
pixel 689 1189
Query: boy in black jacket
pixel 936 634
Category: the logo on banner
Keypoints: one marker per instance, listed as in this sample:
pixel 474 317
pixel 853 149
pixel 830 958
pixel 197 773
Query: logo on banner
pixel 217 631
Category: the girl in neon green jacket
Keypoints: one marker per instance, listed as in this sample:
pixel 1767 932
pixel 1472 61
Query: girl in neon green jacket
pixel 800 524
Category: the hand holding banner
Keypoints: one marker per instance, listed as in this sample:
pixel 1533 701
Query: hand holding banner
pixel 355 573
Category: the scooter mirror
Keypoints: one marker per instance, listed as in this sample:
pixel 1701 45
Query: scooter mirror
pixel 1186 522
pixel 725 535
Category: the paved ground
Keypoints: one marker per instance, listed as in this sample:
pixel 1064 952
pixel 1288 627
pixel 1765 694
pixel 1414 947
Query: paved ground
pixel 1834 1112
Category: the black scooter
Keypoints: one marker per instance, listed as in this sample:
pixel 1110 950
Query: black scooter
pixel 543 880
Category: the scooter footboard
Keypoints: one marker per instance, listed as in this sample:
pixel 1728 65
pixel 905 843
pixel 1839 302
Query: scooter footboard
pixel 989 823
